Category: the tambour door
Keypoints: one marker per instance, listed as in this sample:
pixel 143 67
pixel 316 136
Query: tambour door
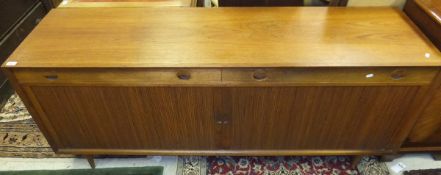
pixel 119 109
pixel 364 109
pixel 318 118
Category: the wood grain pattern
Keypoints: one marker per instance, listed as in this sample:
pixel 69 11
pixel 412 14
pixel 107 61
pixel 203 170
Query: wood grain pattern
pixel 120 77
pixel 230 77
pixel 186 118
pixel 330 76
pixel 257 3
pixel 419 148
pixel 428 127
pixel 32 107
pixel 432 8
pixel 427 17
pixel 426 133
pixel 249 81
pixel 225 37
pixel 318 117
pixel 130 118
pixel 129 3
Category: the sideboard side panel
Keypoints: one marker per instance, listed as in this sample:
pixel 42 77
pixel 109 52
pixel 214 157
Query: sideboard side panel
pixel 34 109
pixel 426 133
pixel 428 127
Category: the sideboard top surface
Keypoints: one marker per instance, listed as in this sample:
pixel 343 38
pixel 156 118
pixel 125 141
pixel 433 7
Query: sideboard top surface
pixel 225 37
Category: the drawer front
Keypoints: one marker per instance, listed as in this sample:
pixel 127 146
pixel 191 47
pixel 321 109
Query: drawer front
pixel 11 11
pixel 308 76
pixel 232 77
pixel 120 77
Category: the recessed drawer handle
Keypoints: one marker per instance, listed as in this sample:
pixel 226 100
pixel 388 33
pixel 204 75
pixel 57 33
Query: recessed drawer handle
pixel 398 74
pixel 259 75
pixel 51 77
pixel 182 75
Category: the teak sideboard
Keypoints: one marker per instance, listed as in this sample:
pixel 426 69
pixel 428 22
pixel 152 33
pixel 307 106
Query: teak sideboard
pixel 225 81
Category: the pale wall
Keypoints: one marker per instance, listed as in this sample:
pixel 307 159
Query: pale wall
pixel 395 3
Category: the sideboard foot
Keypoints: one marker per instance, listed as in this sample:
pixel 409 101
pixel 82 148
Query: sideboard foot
pixel 389 157
pixel 436 156
pixel 355 161
pixel 91 161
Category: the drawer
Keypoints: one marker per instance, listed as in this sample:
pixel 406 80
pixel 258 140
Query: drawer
pixel 119 77
pixel 11 11
pixel 311 76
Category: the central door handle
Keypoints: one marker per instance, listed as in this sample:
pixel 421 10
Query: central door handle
pixel 222 122
pixel 222 119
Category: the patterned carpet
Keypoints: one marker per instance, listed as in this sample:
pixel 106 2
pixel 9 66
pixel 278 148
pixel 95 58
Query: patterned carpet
pixel 14 110
pixel 20 137
pixel 24 139
pixel 281 165
pixel 293 165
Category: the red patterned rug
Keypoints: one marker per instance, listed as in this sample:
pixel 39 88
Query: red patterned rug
pixel 328 165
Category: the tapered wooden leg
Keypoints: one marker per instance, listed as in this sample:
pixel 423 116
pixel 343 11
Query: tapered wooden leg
pixel 355 161
pixel 91 161
pixel 436 156
pixel 389 157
